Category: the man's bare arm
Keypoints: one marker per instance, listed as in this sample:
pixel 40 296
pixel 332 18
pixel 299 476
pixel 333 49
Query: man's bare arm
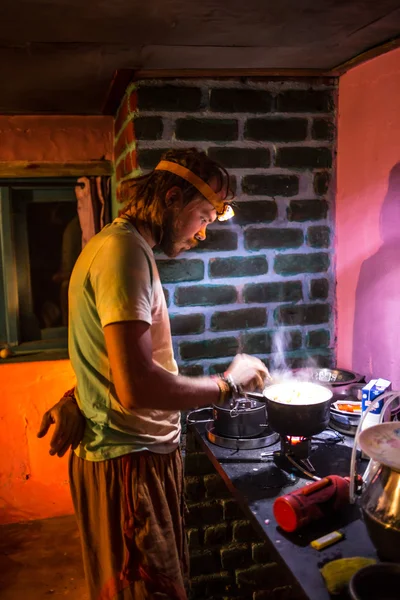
pixel 141 383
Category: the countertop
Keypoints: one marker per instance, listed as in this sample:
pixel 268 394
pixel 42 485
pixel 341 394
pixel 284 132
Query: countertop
pixel 255 485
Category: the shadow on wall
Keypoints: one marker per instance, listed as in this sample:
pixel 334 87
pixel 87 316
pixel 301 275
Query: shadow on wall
pixel 376 336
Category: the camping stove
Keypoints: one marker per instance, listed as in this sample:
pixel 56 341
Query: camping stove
pixel 298 447
pixel 297 451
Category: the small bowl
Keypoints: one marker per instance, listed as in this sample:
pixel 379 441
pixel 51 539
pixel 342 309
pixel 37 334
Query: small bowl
pixel 376 582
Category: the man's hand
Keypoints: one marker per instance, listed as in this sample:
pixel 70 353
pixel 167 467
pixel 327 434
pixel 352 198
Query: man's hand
pixel 69 426
pixel 248 372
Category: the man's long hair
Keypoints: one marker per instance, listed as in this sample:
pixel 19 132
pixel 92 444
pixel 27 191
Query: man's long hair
pixel 145 195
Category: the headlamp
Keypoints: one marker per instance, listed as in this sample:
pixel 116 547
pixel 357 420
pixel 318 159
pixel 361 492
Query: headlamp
pixel 227 213
pixel 224 210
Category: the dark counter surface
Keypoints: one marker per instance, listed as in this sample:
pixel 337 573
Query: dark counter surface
pixel 255 485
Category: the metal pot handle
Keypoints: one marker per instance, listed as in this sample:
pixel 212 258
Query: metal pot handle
pixel 199 410
pixel 234 412
pixel 256 396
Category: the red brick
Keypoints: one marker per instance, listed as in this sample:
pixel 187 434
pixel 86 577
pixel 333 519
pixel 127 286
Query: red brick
pixel 120 170
pixel 119 146
pixel 128 163
pixel 129 133
pixel 122 115
pixel 122 165
pixel 134 159
pixel 133 101
pixel 118 191
pixel 126 137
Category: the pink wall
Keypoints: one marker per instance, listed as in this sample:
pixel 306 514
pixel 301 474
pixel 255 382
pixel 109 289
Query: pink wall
pixel 56 139
pixel 368 219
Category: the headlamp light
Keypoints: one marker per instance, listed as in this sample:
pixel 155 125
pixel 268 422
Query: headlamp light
pixel 227 213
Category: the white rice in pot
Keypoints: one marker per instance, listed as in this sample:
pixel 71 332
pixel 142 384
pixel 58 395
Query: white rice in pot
pixel 298 393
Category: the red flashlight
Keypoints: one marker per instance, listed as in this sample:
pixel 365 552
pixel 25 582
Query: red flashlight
pixel 311 502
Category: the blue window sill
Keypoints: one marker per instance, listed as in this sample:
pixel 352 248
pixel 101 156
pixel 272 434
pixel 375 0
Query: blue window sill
pixel 38 351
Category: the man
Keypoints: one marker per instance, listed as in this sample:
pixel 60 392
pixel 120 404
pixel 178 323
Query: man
pixel 126 474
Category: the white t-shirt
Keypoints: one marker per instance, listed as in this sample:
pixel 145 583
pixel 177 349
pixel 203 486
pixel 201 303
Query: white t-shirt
pixel 116 279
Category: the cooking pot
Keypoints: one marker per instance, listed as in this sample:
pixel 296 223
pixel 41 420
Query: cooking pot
pixel 248 418
pixel 380 581
pixel 298 408
pixel 331 377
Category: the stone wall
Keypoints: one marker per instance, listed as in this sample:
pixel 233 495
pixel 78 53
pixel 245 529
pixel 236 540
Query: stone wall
pixel 272 266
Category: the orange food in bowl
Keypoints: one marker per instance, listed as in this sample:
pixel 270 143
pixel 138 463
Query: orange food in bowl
pixel 349 407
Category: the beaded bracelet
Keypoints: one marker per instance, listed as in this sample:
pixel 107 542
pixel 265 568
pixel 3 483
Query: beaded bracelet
pixel 232 386
pixel 224 389
pixel 228 390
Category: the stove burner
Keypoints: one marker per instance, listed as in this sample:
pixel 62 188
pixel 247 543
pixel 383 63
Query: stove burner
pixel 297 450
pixel 299 447
pixel 267 438
pixel 344 424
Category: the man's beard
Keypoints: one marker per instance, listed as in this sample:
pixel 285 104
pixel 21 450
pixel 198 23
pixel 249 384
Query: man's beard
pixel 170 243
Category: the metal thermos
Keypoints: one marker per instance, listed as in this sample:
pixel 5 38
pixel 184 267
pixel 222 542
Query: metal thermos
pixel 311 502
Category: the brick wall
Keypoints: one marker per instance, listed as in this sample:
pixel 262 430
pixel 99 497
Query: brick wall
pixel 272 266
pixel 229 560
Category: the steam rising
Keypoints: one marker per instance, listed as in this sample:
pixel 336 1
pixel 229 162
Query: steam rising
pixel 279 370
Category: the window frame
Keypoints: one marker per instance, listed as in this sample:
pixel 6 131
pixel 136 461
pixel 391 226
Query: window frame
pixel 33 174
pixel 10 292
pixel 9 300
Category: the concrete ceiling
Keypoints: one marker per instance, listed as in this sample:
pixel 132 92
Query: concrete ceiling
pixel 59 56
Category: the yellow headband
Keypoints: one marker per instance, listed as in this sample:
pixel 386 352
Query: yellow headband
pixel 224 210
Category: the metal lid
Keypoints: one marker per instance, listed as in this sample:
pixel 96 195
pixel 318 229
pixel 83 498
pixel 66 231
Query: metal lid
pixel 331 377
pixel 382 443
pixel 241 405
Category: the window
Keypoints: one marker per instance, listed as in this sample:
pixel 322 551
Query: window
pixel 40 239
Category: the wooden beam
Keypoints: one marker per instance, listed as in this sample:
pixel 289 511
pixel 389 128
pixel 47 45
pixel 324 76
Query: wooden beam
pixel 212 73
pixel 116 90
pixel 123 77
pixel 22 168
pixel 368 55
